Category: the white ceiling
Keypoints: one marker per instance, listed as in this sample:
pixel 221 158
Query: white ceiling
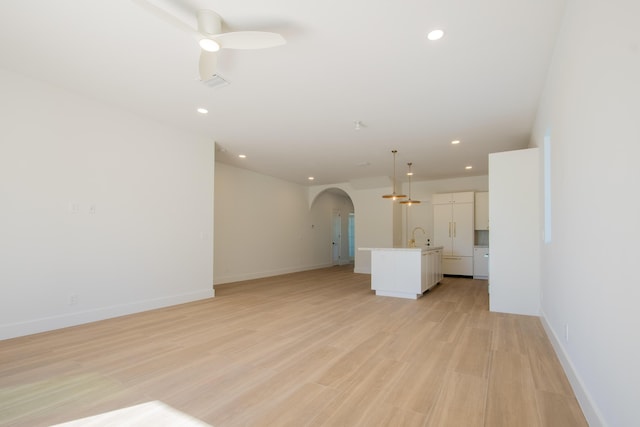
pixel 291 109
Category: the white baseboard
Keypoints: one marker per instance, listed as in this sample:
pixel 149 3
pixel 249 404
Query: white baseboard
pixel 66 320
pixel 590 410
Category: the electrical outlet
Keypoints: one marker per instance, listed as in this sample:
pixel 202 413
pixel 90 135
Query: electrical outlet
pixel 73 299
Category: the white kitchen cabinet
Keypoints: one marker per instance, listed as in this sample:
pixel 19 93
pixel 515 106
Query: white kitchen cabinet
pixel 449 198
pixel 457 265
pixel 482 211
pixel 481 263
pixel 404 272
pixel 437 268
pixel 432 268
pixel 453 218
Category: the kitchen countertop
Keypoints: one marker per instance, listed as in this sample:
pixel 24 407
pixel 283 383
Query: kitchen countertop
pixel 423 248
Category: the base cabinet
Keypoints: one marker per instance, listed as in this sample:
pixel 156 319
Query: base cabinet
pixel 432 268
pixel 481 263
pixel 458 265
pixel 405 273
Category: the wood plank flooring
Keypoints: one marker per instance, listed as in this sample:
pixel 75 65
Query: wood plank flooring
pixel 316 348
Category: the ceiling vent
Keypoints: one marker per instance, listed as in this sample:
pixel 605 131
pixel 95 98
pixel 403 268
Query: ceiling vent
pixel 215 81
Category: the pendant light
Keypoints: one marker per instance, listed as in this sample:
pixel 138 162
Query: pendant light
pixel 410 202
pixel 394 195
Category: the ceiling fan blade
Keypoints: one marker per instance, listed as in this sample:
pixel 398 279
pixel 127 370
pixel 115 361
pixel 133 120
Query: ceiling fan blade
pixel 249 40
pixel 207 66
pixel 165 16
pixel 209 22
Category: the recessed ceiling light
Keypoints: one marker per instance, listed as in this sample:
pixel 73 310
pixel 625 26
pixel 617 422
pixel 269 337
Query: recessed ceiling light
pixel 455 141
pixel 209 45
pixel 242 156
pixel 435 35
pixel 468 167
pixel 203 110
pixel 311 178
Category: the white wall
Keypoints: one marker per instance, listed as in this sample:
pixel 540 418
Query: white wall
pixel 591 110
pixel 265 226
pixel 514 212
pixel 149 242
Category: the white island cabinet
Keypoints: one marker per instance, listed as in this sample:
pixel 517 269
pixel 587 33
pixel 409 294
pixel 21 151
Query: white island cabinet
pixel 405 272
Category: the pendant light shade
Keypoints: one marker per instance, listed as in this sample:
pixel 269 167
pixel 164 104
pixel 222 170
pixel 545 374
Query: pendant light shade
pixel 410 202
pixel 394 195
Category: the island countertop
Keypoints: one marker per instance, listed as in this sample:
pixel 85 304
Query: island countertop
pixel 422 248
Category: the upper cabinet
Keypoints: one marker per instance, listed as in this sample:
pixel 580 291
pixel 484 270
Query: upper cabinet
pixel 482 211
pixel 448 198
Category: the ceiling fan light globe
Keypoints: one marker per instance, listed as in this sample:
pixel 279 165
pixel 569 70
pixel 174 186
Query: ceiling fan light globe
pixel 209 45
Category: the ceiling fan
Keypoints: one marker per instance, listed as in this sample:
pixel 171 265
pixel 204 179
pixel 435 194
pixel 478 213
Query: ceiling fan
pixel 211 38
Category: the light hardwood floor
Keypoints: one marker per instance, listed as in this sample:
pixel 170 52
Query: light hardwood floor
pixel 307 349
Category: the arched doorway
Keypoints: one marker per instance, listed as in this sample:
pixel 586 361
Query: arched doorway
pixel 333 215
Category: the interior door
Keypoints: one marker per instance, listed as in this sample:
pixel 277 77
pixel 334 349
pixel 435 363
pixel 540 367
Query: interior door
pixel 336 240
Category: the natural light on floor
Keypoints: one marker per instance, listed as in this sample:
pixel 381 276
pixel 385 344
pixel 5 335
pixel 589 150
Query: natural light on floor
pixel 153 413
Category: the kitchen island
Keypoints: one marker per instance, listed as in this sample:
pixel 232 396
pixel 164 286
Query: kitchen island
pixel 405 272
